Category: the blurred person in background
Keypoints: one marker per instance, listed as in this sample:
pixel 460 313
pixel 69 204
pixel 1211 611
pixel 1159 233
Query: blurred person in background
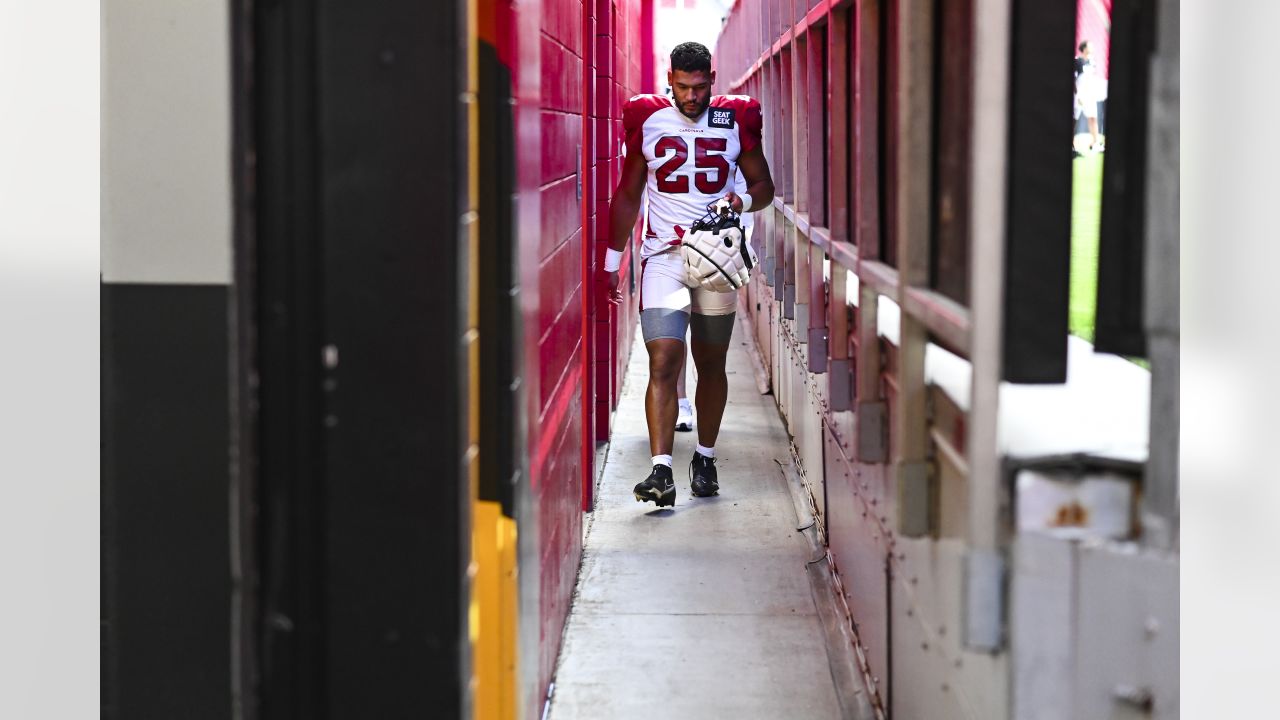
pixel 1091 89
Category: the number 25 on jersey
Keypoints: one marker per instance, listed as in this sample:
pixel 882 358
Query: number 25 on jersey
pixel 712 170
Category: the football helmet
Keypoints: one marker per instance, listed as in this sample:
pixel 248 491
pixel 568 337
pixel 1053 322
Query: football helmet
pixel 716 254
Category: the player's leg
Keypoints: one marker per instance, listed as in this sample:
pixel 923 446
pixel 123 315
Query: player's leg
pixel 711 327
pixel 664 318
pixel 712 392
pixel 1091 114
pixel 1077 110
pixel 666 357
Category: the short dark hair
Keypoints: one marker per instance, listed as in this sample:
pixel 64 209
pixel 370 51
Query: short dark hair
pixel 691 57
pixel 1083 44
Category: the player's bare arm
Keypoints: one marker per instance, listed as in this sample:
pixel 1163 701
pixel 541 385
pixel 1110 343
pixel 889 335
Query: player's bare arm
pixel 623 209
pixel 755 169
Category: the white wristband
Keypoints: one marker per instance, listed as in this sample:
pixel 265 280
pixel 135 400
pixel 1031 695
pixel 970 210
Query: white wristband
pixel 746 201
pixel 612 259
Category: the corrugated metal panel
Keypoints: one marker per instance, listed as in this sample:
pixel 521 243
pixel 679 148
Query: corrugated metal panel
pixel 1042 627
pixel 932 676
pixel 937 586
pixel 1127 634
pixel 860 546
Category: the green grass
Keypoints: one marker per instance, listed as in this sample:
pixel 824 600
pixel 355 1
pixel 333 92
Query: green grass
pixel 1086 213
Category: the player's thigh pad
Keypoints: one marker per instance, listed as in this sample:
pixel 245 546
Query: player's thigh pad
pixel 713 313
pixel 664 298
pixel 711 329
pixel 662 283
pixel 660 323
pixel 709 302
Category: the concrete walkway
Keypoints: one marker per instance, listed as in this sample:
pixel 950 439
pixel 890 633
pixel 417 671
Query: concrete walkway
pixel 701 611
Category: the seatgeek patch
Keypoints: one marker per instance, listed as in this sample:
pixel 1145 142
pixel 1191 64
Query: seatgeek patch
pixel 721 118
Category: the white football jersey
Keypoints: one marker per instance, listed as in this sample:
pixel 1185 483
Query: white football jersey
pixel 692 163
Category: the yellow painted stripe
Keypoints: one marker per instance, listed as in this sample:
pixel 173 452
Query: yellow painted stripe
pixel 494 605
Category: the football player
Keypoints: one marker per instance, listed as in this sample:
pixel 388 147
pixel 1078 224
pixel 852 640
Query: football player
pixel 684 151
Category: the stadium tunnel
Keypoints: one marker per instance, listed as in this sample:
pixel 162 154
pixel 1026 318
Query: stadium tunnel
pixel 365 412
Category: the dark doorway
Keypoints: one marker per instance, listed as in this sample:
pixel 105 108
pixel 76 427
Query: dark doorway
pixel 353 508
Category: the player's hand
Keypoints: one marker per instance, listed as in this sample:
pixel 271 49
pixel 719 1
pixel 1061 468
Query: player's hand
pixel 735 202
pixel 610 282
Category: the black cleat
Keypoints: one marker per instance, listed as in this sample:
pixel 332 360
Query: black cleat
pixel 702 476
pixel 659 487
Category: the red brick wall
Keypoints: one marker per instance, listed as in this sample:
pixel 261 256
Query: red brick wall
pixel 588 62
pixel 618 64
pixel 556 462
